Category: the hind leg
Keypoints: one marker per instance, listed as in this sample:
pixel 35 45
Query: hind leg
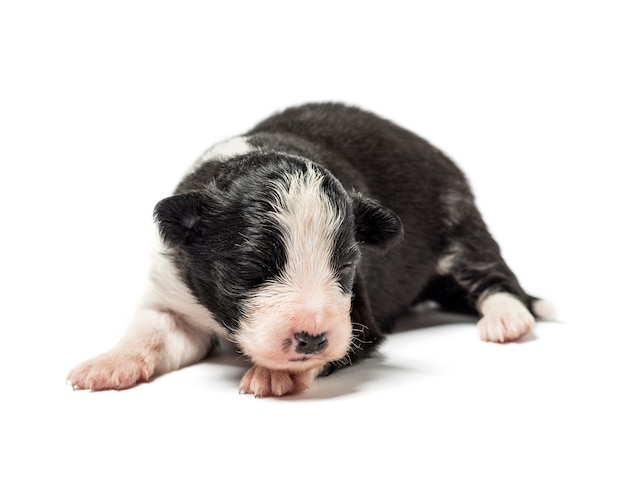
pixel 473 262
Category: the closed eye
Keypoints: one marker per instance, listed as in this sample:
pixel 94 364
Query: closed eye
pixel 253 271
pixel 346 276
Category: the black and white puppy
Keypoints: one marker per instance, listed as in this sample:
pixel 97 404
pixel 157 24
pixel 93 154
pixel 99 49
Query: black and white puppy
pixel 302 242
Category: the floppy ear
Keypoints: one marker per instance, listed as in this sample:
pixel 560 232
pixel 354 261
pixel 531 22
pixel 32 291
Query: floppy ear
pixel 375 225
pixel 180 217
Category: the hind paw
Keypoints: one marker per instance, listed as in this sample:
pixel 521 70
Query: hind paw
pixel 505 319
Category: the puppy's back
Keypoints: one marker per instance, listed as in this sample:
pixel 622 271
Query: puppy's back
pixel 392 165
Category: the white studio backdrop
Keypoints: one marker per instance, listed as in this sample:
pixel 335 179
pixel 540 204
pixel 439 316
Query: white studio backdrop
pixel 104 105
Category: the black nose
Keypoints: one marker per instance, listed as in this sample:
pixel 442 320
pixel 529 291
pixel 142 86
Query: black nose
pixel 308 343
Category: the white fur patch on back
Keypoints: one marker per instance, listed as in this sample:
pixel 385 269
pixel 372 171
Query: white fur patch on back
pixel 222 151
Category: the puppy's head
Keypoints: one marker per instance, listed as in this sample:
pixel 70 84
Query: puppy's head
pixel 271 246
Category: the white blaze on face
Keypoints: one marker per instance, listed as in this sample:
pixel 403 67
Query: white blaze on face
pixel 307 297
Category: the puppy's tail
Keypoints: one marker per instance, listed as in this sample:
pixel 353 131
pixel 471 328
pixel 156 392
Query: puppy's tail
pixel 543 309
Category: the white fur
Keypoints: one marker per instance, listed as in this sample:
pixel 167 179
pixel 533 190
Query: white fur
pixel 449 260
pixel 170 330
pixel 544 309
pixel 167 291
pixel 224 150
pixel 309 224
pixel 195 326
pixel 504 318
pixel 307 298
pixel 453 201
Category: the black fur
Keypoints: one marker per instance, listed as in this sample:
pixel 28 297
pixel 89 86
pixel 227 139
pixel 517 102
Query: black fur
pixel 403 203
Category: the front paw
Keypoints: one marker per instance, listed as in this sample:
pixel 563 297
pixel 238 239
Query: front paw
pixel 263 382
pixel 111 371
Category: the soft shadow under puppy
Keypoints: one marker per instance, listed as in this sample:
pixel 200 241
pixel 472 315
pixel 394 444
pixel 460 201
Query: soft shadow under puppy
pixel 351 380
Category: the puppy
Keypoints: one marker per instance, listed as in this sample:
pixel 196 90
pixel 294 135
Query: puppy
pixel 302 242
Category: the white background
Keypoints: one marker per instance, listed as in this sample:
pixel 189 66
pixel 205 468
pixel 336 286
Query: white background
pixel 103 105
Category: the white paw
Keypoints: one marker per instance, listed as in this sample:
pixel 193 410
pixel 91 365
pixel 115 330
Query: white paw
pixel 263 382
pixel 111 371
pixel 505 319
